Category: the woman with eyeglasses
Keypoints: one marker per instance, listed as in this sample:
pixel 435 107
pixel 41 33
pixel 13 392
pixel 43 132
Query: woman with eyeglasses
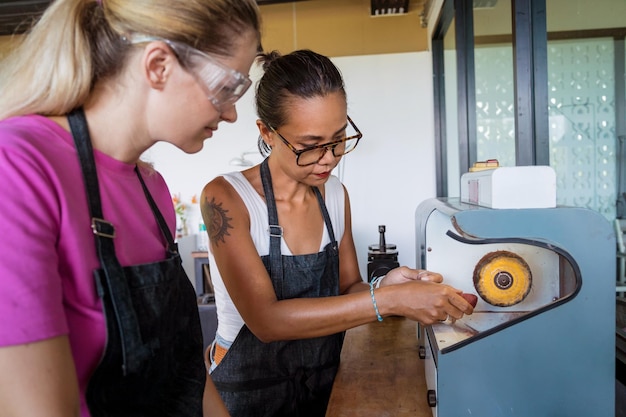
pixel 283 260
pixel 99 318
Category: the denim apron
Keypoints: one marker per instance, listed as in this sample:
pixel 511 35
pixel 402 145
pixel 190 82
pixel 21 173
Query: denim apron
pixel 152 365
pixel 286 378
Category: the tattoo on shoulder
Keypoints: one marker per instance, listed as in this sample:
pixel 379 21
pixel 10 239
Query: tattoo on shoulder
pixel 218 222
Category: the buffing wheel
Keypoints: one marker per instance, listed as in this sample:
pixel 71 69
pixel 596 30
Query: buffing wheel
pixel 502 278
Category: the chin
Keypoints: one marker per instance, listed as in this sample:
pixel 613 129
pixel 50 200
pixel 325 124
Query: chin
pixel 193 147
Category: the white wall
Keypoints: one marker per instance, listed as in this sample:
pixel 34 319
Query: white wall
pixel 391 101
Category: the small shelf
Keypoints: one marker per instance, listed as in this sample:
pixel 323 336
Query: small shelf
pixel 202 272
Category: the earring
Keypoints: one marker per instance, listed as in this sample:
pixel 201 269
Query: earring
pixel 264 148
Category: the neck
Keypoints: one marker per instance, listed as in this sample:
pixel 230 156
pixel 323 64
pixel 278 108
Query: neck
pixel 115 127
pixel 286 188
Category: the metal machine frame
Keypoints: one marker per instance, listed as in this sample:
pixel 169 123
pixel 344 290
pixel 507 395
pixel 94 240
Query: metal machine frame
pixel 555 356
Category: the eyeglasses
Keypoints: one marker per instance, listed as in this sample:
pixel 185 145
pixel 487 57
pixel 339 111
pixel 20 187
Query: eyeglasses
pixel 313 154
pixel 224 85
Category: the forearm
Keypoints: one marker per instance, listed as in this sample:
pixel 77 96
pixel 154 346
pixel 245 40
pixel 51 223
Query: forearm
pixel 314 317
pixel 357 287
pixel 212 404
pixel 419 300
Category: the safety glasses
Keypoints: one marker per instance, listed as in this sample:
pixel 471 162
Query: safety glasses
pixel 223 85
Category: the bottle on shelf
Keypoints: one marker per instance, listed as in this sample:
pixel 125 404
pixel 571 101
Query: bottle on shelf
pixel 203 238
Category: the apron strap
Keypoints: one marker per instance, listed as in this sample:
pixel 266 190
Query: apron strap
pixel 171 245
pixel 275 230
pixel 134 351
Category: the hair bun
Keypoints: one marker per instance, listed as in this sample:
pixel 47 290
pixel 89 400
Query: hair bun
pixel 267 58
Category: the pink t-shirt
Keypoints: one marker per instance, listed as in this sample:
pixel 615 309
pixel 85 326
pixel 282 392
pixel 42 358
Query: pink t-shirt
pixel 47 250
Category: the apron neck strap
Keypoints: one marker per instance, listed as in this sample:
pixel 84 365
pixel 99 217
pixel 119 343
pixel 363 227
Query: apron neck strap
pixel 134 351
pixel 275 230
pixel 171 245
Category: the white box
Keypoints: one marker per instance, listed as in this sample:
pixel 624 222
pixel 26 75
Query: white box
pixel 510 187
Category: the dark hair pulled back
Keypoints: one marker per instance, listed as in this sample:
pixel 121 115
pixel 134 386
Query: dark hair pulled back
pixel 299 74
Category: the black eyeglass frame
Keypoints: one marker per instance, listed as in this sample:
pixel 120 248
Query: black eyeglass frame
pixel 330 145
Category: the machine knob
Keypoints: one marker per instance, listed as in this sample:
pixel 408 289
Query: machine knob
pixel 422 352
pixel 431 397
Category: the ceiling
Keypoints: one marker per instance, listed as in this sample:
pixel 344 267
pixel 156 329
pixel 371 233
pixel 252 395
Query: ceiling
pixel 16 16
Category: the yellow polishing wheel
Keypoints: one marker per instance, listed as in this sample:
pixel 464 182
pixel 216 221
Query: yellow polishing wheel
pixel 502 278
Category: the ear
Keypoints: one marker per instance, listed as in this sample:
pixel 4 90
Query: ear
pixel 158 63
pixel 265 132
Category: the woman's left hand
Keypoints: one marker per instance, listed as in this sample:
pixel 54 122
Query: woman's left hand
pixel 404 274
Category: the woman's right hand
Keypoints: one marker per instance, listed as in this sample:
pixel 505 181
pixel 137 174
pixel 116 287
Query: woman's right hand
pixel 426 302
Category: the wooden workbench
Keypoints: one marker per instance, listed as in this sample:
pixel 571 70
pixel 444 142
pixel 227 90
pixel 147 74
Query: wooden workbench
pixel 380 373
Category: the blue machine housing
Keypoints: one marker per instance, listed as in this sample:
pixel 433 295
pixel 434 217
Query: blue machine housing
pixel 547 358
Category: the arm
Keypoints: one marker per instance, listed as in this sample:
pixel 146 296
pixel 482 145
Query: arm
pixel 39 380
pixel 212 404
pixel 251 289
pixel 426 306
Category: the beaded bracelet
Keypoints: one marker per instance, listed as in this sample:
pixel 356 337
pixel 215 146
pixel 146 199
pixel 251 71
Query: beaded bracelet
pixel 378 316
pixel 376 281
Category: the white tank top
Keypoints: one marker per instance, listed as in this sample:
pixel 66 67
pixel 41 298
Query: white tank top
pixel 229 319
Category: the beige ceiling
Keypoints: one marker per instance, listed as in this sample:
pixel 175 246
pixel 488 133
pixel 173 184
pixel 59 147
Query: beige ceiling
pixel 334 28
pixel 342 28
pixel 346 28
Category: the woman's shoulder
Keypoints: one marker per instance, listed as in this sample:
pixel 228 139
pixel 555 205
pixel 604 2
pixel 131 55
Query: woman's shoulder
pixel 224 182
pixel 225 188
pixel 240 182
pixel 36 138
pixel 232 198
pixel 30 129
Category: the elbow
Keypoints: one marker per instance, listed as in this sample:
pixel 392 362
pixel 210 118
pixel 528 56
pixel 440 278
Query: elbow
pixel 267 334
pixel 267 337
pixel 270 324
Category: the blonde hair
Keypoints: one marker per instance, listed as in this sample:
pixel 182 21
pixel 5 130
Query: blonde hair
pixel 78 42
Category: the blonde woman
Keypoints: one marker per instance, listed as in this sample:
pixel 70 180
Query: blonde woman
pixel 99 319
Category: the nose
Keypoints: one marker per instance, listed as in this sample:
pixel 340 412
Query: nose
pixel 228 113
pixel 325 159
